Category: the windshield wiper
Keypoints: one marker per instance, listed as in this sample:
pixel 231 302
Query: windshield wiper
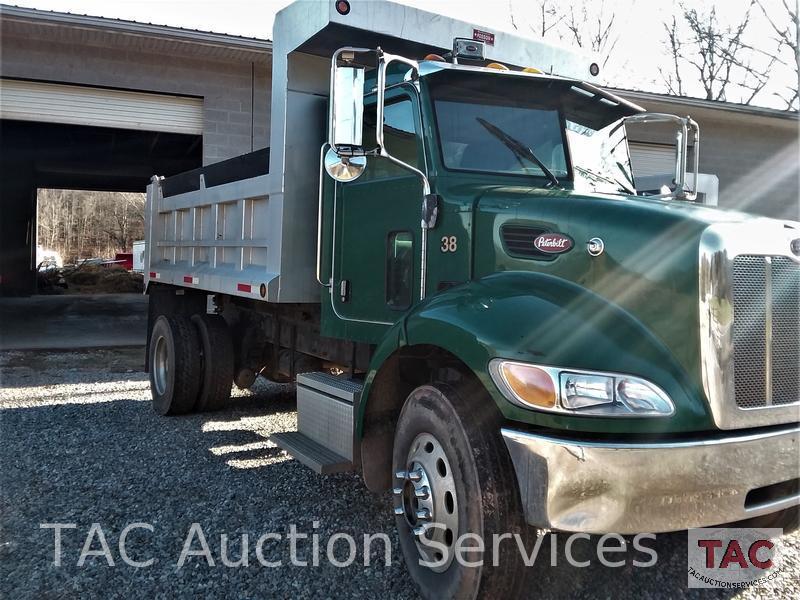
pixel 517 147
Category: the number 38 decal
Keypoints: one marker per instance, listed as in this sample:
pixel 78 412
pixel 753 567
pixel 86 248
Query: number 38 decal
pixel 449 243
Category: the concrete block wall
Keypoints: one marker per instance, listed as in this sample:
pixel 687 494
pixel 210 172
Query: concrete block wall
pixel 235 92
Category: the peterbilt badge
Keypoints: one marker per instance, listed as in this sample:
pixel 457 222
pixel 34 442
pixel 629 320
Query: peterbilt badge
pixel 553 243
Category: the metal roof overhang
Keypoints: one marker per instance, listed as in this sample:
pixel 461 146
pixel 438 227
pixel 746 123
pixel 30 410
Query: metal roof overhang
pixel 15 18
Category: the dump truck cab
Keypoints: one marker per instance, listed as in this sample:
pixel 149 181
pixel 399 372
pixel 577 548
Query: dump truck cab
pixel 446 134
pixel 483 314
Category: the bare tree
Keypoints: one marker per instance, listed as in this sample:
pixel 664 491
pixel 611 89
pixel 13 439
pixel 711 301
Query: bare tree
pixel 547 17
pixel 593 31
pixel 673 78
pixel 717 56
pixel 787 32
pixel 586 24
pixel 80 224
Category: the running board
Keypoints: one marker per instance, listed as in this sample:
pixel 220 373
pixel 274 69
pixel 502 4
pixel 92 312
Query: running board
pixel 326 406
pixel 313 455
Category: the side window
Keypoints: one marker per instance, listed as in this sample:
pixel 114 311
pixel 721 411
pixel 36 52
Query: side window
pixel 399 269
pixel 399 135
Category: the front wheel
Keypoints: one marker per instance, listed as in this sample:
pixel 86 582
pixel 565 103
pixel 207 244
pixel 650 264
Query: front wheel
pixel 454 477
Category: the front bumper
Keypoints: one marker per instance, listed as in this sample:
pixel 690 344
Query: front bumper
pixel 605 487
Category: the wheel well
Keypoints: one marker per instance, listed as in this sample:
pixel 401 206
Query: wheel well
pixel 405 370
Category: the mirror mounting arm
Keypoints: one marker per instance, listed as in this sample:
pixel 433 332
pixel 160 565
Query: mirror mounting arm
pixel 426 223
pixel 384 61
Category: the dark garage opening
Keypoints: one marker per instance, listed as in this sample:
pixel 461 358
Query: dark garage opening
pixel 45 155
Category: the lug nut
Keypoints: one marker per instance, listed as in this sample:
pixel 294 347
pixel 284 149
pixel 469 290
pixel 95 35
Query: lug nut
pixel 419 531
pixel 397 491
pixel 399 511
pixel 423 513
pixel 415 475
pixel 401 474
pixel 422 492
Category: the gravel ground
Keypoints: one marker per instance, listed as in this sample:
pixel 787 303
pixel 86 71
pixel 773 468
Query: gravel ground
pixel 79 444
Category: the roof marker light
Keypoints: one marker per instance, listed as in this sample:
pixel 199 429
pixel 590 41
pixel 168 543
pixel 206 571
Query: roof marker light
pixel 343 7
pixel 498 66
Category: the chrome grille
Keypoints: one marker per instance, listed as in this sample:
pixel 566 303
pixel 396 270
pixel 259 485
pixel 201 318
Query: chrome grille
pixel 766 330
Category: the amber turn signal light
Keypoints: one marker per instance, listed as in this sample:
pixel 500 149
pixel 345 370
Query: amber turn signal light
pixel 530 384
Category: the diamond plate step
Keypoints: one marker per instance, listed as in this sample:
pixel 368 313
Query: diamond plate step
pixel 312 454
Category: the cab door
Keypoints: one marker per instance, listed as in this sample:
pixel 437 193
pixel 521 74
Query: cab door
pixel 377 230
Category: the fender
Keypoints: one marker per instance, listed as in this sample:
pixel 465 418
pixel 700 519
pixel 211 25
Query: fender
pixel 539 318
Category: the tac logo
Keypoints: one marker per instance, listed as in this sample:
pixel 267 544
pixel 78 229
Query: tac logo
pixel 732 558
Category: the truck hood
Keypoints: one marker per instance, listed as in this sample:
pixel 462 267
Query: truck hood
pixel 650 261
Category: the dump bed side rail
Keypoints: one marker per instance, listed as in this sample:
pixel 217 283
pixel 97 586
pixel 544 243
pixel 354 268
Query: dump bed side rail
pixel 212 238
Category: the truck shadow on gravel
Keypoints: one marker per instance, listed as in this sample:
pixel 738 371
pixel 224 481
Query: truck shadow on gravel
pixel 114 462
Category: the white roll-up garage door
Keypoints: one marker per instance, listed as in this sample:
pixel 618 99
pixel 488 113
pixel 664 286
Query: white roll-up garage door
pixel 652 159
pixel 99 107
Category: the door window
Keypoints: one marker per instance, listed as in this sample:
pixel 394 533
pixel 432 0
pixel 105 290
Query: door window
pixel 399 269
pixel 399 136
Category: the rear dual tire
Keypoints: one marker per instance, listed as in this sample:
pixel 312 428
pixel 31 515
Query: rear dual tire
pixel 217 350
pixel 191 364
pixel 174 365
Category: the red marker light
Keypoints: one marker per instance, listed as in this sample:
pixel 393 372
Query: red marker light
pixel 343 7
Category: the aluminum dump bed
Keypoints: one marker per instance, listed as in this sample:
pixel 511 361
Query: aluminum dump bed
pixel 208 228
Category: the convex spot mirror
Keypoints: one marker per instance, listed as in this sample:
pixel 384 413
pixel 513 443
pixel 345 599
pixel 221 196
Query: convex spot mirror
pixel 344 168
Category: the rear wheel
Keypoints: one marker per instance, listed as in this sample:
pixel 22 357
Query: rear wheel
pixel 217 353
pixel 174 363
pixel 454 476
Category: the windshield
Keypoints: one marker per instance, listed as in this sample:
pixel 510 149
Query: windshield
pixel 522 126
pixel 510 133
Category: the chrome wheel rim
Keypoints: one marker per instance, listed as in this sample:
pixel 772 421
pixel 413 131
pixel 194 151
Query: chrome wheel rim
pixel 426 500
pixel 160 365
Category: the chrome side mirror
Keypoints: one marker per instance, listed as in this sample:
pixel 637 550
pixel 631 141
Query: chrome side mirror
pixel 347 119
pixel 684 126
pixel 344 168
pixel 345 160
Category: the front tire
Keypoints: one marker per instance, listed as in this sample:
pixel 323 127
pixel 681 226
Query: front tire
pixel 448 444
pixel 174 362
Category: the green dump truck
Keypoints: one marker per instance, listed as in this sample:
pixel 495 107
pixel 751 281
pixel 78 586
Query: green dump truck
pixel 445 247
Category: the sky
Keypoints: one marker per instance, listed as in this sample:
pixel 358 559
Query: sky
pixel 633 64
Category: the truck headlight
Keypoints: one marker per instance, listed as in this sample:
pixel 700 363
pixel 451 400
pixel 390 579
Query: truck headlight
pixel 587 393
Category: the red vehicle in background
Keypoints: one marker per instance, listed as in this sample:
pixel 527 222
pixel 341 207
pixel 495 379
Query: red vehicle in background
pixel 121 259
